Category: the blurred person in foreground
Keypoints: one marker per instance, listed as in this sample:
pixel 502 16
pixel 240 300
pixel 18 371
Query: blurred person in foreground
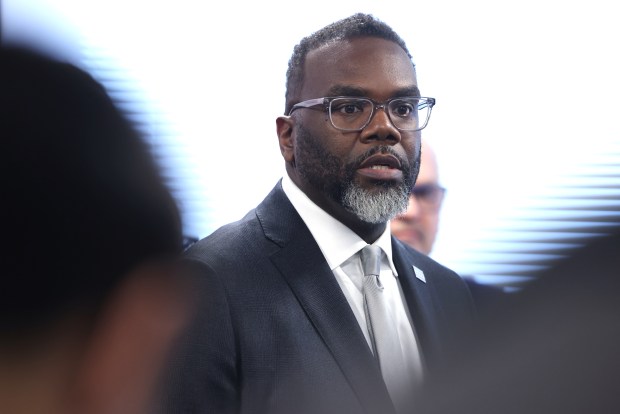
pixel 306 296
pixel 553 350
pixel 89 302
pixel 418 226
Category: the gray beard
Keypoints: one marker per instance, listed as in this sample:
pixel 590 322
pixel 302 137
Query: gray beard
pixel 325 172
pixel 378 207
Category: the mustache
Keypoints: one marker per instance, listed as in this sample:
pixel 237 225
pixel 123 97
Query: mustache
pixel 383 149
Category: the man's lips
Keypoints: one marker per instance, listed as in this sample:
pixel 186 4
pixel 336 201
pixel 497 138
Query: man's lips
pixel 381 167
pixel 381 160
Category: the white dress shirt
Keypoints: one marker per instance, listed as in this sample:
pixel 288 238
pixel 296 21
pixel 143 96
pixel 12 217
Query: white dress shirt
pixel 341 247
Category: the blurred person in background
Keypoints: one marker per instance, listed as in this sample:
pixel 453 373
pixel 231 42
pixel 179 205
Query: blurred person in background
pixel 418 225
pixel 90 301
pixel 551 348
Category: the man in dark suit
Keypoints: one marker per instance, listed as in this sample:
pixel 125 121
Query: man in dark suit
pixel 285 325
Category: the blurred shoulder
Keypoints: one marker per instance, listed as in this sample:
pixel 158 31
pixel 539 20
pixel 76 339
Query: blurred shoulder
pixel 227 241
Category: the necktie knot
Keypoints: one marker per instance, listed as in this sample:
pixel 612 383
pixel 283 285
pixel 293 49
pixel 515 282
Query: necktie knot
pixel 371 260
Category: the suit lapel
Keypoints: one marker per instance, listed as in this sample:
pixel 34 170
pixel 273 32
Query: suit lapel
pixel 424 311
pixel 302 264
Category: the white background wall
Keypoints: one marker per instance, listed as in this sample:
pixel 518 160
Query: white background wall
pixel 527 97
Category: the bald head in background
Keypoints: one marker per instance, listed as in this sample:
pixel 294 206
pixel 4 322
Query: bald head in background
pixel 418 226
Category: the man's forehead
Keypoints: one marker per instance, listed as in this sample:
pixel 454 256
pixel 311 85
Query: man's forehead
pixel 369 64
pixel 360 44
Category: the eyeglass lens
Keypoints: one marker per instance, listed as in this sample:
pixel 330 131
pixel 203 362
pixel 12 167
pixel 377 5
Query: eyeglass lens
pixel 429 194
pixel 355 113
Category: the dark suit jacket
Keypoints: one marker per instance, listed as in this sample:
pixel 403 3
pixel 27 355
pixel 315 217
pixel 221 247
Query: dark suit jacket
pixel 275 332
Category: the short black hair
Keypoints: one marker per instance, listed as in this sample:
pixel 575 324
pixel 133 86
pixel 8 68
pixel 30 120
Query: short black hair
pixel 357 25
pixel 83 201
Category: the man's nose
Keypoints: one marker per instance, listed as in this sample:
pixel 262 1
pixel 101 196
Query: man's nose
pixel 381 127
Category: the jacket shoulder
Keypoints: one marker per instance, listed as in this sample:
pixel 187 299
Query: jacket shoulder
pixel 437 273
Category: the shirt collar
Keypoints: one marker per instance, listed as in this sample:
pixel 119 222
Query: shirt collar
pixel 336 241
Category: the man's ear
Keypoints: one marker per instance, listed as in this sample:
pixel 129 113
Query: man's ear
pixel 284 126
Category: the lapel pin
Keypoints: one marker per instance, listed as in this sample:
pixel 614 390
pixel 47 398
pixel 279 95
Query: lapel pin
pixel 419 274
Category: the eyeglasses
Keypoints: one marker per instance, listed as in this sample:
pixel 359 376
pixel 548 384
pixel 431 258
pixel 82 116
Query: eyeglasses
pixel 347 113
pixel 428 195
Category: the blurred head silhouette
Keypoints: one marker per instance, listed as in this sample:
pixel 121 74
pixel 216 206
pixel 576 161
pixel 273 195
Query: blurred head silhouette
pixel 89 302
pixel 419 224
pixel 552 349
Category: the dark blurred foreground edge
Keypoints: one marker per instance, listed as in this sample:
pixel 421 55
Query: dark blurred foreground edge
pixel 554 349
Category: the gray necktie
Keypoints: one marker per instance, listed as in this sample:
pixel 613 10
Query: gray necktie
pixel 382 329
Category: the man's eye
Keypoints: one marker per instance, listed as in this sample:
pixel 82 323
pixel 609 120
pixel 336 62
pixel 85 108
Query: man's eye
pixel 347 108
pixel 425 192
pixel 403 109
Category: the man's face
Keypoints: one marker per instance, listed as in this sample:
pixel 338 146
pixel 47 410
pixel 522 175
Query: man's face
pixel 364 175
pixel 418 226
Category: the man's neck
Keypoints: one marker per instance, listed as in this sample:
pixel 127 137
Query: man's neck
pixel 369 232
